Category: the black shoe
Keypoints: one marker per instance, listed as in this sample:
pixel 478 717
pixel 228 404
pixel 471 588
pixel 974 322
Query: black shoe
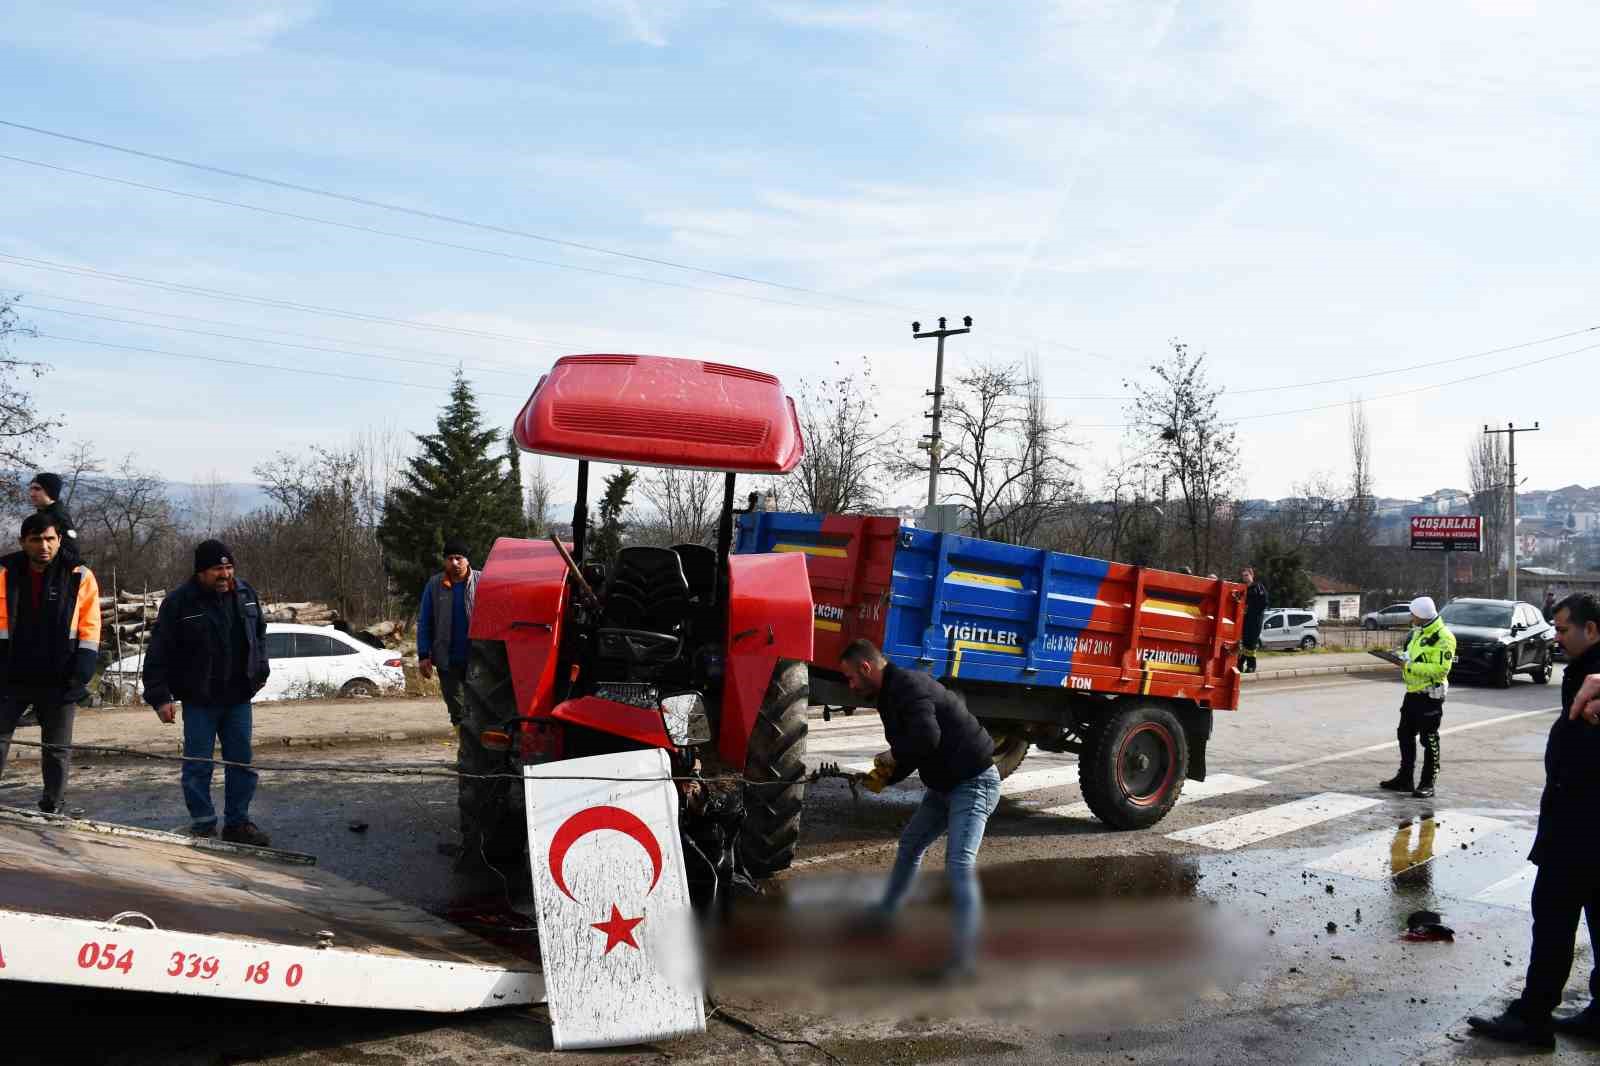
pixel 1423 791
pixel 246 834
pixel 1400 782
pixel 46 807
pixel 1585 1023
pixel 203 832
pixel 1514 1030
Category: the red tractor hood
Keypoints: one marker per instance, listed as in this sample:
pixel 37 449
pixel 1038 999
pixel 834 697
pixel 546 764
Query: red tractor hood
pixel 651 410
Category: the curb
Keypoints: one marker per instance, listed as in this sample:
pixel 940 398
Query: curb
pixel 269 744
pixel 1318 671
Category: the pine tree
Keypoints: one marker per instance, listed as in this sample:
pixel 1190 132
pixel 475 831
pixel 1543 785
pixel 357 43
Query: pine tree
pixel 607 540
pixel 454 487
pixel 515 515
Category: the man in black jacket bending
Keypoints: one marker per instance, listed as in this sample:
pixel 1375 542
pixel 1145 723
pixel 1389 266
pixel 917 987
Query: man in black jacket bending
pixel 931 732
pixel 1568 883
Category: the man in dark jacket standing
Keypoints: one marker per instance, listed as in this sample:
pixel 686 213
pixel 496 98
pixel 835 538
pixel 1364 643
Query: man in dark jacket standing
pixel 44 492
pixel 931 732
pixel 49 643
pixel 443 618
pixel 1568 882
pixel 209 653
pixel 1255 610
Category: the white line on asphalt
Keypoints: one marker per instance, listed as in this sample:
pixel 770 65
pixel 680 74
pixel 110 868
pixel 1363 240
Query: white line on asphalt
pixel 1514 891
pixel 864 741
pixel 1384 854
pixel 1193 791
pixel 1038 780
pixel 818 860
pixel 1274 821
pixel 1390 744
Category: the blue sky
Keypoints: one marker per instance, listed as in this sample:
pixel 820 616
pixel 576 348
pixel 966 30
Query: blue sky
pixel 1304 191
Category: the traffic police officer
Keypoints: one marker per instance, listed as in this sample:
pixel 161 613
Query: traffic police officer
pixel 1430 654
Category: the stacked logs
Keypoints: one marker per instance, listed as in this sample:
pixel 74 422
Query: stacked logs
pixel 129 618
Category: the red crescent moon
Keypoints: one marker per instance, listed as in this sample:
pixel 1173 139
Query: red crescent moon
pixel 591 820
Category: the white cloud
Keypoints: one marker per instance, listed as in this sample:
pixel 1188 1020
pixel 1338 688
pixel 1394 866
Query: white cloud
pixel 173 32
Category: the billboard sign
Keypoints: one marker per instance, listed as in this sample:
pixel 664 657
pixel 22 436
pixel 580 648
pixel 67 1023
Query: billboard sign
pixel 1450 533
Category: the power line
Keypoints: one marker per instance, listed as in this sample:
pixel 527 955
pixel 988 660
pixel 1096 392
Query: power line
pixel 433 216
pixel 434 242
pixel 522 373
pixel 263 366
pixel 261 301
pixel 1383 396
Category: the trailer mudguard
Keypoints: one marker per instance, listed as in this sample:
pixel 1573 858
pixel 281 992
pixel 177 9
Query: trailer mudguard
pixel 522 598
pixel 769 618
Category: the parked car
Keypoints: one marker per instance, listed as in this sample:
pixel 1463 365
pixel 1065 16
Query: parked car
pixel 1396 615
pixel 1499 639
pixel 307 661
pixel 1289 627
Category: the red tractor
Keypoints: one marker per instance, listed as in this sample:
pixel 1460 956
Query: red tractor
pixel 688 648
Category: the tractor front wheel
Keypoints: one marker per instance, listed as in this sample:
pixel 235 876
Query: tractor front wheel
pixel 775 769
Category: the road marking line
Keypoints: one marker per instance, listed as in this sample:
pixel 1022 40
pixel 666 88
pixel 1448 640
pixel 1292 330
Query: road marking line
pixel 1388 853
pixel 1252 828
pixel 1514 891
pixel 818 860
pixel 1390 744
pixel 1193 791
pixel 860 742
pixel 1037 780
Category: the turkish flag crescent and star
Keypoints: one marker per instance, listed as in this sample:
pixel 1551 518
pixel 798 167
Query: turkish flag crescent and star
pixel 616 932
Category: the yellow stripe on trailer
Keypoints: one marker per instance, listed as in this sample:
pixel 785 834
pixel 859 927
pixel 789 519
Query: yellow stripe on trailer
pixel 974 645
pixel 830 626
pixel 1176 668
pixel 812 549
pixel 1188 610
pixel 968 577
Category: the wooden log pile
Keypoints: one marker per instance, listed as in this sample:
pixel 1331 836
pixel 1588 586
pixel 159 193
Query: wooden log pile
pixel 130 617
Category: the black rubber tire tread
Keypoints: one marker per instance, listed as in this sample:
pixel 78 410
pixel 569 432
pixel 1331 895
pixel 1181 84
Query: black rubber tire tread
pixel 1504 674
pixel 1009 751
pixel 1097 771
pixel 1547 666
pixel 487 699
pixel 359 687
pixel 776 753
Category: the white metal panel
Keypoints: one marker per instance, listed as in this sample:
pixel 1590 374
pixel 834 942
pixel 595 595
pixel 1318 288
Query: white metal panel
pixel 616 930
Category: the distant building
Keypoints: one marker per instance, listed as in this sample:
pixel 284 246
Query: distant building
pixel 1335 601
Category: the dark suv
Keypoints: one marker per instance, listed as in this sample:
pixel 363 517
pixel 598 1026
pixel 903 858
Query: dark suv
pixel 1499 639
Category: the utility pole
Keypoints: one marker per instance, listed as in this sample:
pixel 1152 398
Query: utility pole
pixel 1511 432
pixel 931 442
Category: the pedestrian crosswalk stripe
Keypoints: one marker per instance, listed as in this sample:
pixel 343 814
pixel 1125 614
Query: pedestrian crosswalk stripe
pixel 1514 891
pixel 1252 828
pixel 1387 853
pixel 865 740
pixel 1038 780
pixel 1193 791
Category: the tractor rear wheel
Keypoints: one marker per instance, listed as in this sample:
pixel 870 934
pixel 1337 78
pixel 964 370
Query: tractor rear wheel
pixel 490 810
pixel 1133 766
pixel 776 753
pixel 1009 751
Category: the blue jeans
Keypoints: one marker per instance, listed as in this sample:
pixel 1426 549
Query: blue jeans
pixel 202 727
pixel 964 811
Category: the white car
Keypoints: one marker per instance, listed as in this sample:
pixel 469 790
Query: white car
pixel 1283 627
pixel 307 662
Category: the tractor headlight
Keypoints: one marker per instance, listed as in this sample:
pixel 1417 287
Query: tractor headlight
pixel 684 716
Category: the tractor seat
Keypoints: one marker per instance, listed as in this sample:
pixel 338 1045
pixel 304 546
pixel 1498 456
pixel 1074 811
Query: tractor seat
pixel 646 606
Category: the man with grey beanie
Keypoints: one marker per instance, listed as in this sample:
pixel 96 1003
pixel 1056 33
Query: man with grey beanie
pixel 1430 654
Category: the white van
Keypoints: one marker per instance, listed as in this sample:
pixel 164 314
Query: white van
pixel 1289 627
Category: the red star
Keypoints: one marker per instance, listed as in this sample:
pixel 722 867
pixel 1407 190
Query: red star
pixel 618 930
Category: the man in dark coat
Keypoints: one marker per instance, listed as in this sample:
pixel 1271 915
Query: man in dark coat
pixel 209 653
pixel 1568 882
pixel 44 492
pixel 1255 610
pixel 931 732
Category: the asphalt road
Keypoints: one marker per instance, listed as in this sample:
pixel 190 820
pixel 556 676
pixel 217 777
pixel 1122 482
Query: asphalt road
pixel 1261 921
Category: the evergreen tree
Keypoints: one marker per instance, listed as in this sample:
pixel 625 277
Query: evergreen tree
pixel 1283 569
pixel 453 487
pixel 606 541
pixel 514 519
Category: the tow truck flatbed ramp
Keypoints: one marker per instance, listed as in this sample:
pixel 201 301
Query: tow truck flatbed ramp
pixel 108 906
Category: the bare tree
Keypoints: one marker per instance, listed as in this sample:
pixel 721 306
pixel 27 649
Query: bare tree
pixel 212 505
pixel 1004 459
pixel 24 433
pixel 845 444
pixel 1177 417
pixel 537 498
pixel 126 523
pixel 1357 528
pixel 687 504
pixel 1489 479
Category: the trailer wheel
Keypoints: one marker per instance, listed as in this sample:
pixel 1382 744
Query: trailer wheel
pixel 1133 767
pixel 488 819
pixel 1009 751
pixel 776 753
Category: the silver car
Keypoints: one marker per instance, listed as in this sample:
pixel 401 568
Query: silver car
pixel 1289 627
pixel 1394 616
